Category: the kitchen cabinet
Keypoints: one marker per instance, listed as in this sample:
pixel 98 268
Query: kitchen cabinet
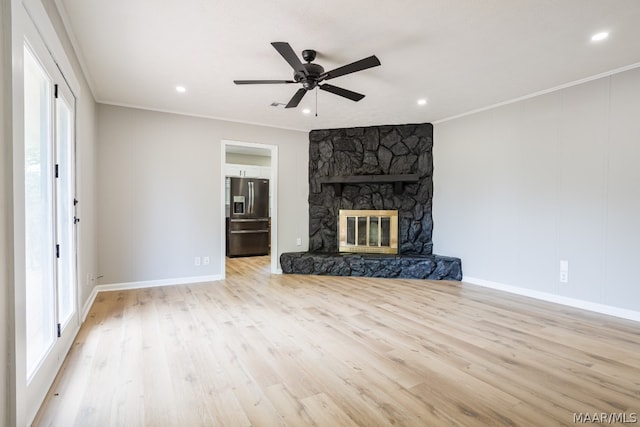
pixel 264 172
pixel 247 171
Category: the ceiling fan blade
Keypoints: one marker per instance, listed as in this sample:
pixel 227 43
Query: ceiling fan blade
pixel 296 98
pixel 354 96
pixel 363 64
pixel 290 56
pixel 261 82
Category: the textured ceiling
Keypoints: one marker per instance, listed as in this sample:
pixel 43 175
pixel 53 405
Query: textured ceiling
pixel 461 55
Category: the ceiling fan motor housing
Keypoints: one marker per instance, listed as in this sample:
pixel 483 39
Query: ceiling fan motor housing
pixel 310 79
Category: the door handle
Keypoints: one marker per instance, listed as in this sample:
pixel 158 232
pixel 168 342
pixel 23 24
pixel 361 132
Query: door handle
pixel 248 231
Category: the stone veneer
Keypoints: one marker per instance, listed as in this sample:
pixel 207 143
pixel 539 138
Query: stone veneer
pixel 376 150
pixel 433 267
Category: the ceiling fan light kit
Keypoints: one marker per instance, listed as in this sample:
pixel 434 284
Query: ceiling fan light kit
pixel 310 75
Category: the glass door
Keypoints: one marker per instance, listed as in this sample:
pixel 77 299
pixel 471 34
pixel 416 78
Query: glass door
pixel 65 206
pixel 39 211
pixel 50 243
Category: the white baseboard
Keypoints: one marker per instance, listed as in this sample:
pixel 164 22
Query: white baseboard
pixel 142 285
pixel 155 283
pixel 558 299
pixel 87 305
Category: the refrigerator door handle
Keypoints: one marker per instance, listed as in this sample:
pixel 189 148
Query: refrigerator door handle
pixel 251 197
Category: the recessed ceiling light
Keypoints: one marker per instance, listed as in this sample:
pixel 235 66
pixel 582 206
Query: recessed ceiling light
pixel 306 111
pixel 181 89
pixel 422 101
pixel 599 36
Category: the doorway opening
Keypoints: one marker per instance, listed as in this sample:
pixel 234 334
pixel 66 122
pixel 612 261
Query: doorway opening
pixel 246 161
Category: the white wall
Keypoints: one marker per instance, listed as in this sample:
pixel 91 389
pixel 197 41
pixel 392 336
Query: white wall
pixel 248 159
pixel 520 187
pixel 6 260
pixel 159 192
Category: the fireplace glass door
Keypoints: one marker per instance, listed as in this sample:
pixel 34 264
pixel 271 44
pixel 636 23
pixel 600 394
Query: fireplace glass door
pixel 368 231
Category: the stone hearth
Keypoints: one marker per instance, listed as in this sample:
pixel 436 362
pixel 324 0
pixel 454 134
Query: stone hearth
pixel 432 267
pixel 372 168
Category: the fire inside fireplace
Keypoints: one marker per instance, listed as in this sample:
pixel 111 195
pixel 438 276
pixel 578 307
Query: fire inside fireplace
pixel 368 231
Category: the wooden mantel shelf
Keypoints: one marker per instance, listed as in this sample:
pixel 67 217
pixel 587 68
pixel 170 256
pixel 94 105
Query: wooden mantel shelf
pixel 398 181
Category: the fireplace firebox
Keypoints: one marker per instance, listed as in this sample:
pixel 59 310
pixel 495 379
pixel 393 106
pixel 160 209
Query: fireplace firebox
pixel 368 231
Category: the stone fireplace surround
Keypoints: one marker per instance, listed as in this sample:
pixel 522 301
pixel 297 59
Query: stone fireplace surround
pixel 347 170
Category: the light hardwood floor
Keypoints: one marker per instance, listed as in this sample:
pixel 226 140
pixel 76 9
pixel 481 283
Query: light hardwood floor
pixel 262 350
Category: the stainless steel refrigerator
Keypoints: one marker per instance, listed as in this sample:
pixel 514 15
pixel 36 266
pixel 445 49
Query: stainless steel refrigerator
pixel 248 226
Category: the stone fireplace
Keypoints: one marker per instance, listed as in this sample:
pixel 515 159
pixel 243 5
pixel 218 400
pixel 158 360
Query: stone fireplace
pixel 375 169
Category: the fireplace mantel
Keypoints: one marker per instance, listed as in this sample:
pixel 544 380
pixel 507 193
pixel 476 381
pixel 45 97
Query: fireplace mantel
pixel 397 180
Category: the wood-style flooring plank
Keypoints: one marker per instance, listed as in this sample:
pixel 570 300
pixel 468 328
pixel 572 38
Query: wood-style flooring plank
pixel 284 350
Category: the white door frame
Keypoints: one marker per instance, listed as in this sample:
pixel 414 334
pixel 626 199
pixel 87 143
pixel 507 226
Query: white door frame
pixel 274 201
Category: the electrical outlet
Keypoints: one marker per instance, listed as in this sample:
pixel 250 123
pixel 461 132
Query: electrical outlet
pixel 299 241
pixel 206 260
pixel 564 271
pixel 196 262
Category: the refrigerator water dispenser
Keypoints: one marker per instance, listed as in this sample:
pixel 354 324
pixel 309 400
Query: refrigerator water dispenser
pixel 238 205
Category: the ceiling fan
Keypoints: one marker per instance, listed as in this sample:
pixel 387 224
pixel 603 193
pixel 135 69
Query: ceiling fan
pixel 311 75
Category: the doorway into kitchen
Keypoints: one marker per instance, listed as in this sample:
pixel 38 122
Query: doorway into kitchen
pixel 249 173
